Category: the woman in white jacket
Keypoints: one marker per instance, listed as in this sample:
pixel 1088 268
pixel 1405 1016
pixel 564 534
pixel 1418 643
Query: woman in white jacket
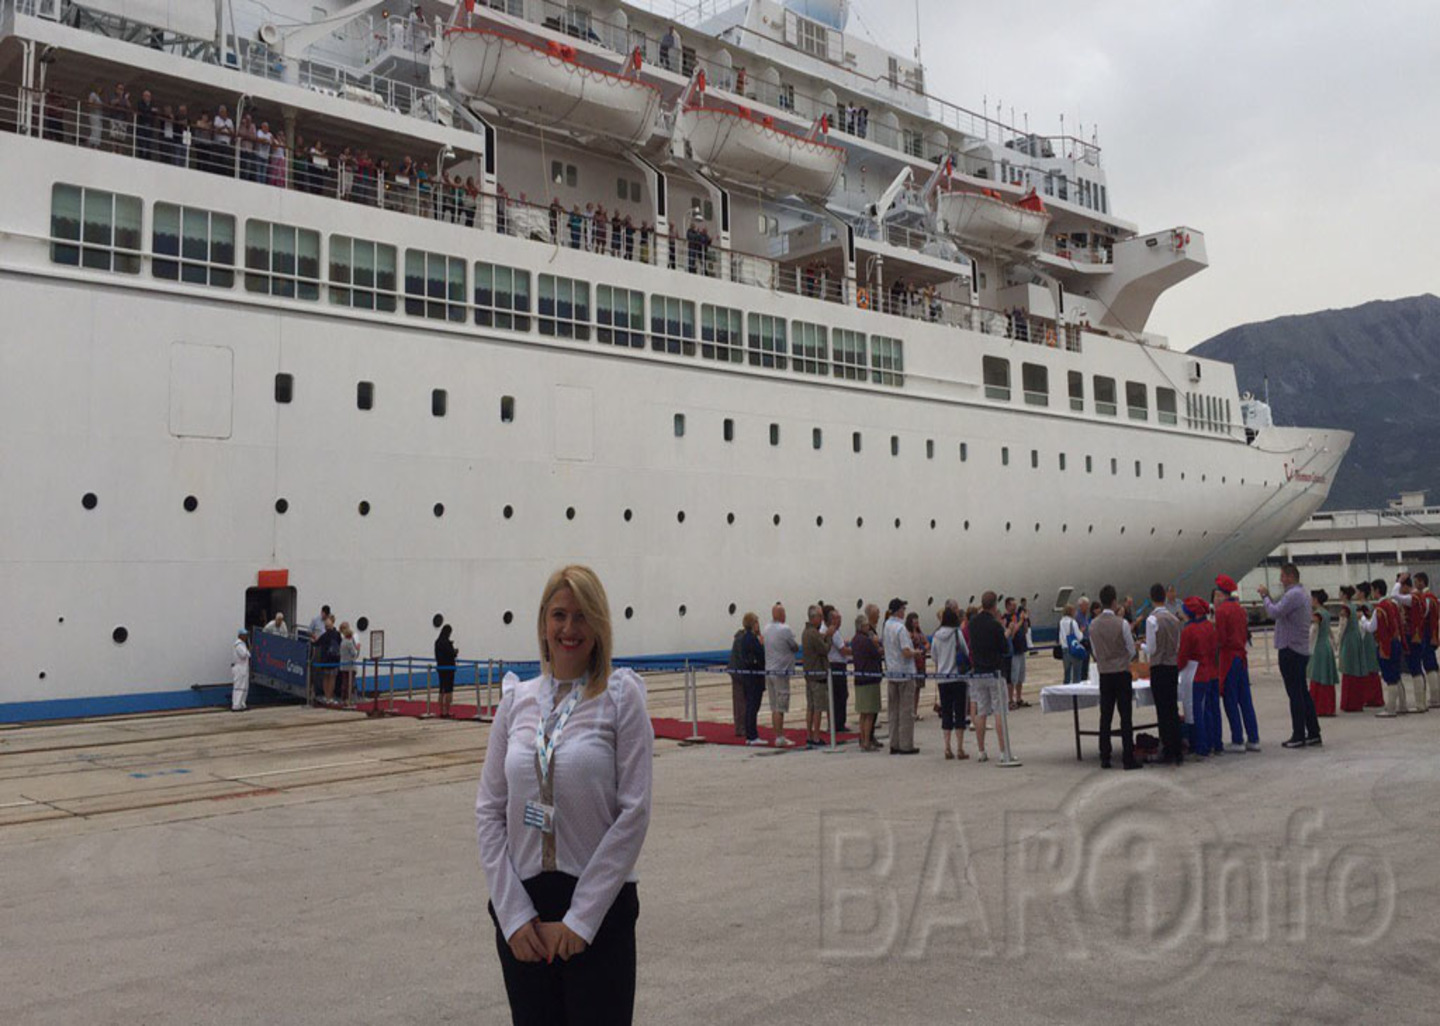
pixel 947 647
pixel 563 808
pixel 1070 638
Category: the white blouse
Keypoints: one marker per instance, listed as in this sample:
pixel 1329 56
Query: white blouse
pixel 602 776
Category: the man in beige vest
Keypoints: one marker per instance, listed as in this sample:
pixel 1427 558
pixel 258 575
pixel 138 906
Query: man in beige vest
pixel 1162 647
pixel 1113 646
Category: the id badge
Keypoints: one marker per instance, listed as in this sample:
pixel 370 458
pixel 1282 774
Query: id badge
pixel 540 816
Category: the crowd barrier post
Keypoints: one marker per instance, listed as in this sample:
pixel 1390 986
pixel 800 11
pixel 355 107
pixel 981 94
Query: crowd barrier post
pixel 830 701
pixel 692 685
pixel 489 715
pixel 426 714
pixel 375 681
pixel 390 695
pixel 409 679
pixel 1007 750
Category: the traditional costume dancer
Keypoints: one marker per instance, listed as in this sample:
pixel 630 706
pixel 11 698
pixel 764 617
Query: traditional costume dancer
pixel 1411 617
pixel 1232 630
pixel 1353 643
pixel 1321 670
pixel 1385 624
pixel 1369 651
pixel 1199 645
pixel 1429 635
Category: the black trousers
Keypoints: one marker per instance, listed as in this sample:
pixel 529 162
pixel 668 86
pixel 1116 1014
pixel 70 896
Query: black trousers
pixel 754 694
pixel 1165 690
pixel 1115 691
pixel 593 988
pixel 840 688
pixel 1304 725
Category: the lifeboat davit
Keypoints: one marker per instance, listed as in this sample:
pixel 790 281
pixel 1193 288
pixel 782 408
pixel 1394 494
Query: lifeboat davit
pixel 737 145
pixel 988 217
pixel 551 85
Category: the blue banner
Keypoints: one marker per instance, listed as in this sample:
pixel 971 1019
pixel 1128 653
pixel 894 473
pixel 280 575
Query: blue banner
pixel 278 661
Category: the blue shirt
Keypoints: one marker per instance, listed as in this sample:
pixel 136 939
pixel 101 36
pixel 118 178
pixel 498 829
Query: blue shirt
pixel 1292 619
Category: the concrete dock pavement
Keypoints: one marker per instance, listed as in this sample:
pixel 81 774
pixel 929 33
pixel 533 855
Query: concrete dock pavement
pixel 317 866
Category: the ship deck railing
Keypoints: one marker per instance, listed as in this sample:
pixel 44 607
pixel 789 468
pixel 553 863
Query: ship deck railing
pixel 814 275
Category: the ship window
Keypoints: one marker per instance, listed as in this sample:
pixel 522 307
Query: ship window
pixel 856 441
pixel 1077 391
pixel 1035 378
pixel 1004 455
pixel 1165 408
pixel 1114 466
pixel 887 361
pixel 507 409
pixel 1104 392
pixel 767 341
pixel 929 448
pixel 812 38
pixel 620 316
pixel 894 445
pixel 721 333
pixel 996 371
pixel 203 242
pixel 1062 461
pixel 912 141
pixel 434 286
pixel 964 452
pixel 848 354
pixel 362 274
pixel 502 297
pixel 672 325
pixel 284 388
pixel 95 229
pixel 679 425
pixel 817 437
pixel 1034 459
pixel 563 305
pixel 1137 468
pixel 282 260
pixel 439 401
pixel 729 430
pixel 774 433
pixel 1137 400
pixel 1160 471
pixel 364 395
pixel 810 348
pixel 1089 464
pixel 562 173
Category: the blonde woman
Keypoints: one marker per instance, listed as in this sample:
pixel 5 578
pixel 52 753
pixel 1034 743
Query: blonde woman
pixel 563 808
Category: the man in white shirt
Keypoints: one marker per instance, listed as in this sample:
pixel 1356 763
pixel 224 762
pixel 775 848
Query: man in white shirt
pixel 900 681
pixel 317 625
pixel 839 656
pixel 277 625
pixel 240 673
pixel 224 138
pixel 780 648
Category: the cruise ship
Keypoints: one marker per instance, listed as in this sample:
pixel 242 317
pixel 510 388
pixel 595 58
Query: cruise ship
pixel 396 307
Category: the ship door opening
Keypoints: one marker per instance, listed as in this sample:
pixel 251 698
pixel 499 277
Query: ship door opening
pixel 261 605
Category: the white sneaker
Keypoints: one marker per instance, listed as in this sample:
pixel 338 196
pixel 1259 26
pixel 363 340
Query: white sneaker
pixel 1235 748
pixel 756 741
pixel 982 757
pixel 1385 714
pixel 783 742
pixel 1252 746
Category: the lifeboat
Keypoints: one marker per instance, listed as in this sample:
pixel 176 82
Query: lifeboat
pixel 551 85
pixel 740 146
pixel 989 218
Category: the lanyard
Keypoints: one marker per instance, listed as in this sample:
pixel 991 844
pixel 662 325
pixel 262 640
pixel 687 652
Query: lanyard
pixel 545 744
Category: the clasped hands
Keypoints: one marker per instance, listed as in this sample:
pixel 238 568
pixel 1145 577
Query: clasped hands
pixel 538 941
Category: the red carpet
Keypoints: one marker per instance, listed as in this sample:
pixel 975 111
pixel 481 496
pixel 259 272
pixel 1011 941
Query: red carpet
pixel 724 733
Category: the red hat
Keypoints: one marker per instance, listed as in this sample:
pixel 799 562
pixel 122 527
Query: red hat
pixel 1197 607
pixel 1225 583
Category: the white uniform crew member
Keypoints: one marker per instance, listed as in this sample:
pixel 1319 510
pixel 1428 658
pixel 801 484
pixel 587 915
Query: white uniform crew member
pixel 240 673
pixel 562 813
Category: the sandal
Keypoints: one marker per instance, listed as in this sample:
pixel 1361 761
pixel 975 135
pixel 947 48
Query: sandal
pixel 949 755
pixel 962 754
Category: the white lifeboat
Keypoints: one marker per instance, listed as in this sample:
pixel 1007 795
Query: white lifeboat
pixel 551 85
pixel 737 145
pixel 988 218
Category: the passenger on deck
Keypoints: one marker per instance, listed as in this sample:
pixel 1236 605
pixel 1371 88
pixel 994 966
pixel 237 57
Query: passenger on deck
pixel 277 626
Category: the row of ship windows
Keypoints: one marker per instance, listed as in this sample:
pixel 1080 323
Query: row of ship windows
pixel 102 230
pixel 1202 412
pixel 191 504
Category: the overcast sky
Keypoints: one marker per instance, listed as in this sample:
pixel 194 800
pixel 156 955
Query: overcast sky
pixel 1301 136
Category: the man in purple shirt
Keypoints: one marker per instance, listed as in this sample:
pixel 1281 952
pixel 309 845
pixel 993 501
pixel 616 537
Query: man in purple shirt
pixel 1292 641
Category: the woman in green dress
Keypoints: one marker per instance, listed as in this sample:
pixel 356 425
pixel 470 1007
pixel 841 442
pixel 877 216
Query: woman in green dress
pixel 1370 651
pixel 1353 641
pixel 1321 670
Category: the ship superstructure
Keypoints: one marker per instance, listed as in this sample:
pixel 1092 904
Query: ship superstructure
pixel 727 306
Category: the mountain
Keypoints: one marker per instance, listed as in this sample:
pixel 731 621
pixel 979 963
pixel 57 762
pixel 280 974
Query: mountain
pixel 1372 369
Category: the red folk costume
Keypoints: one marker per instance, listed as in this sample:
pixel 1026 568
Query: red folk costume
pixel 1232 631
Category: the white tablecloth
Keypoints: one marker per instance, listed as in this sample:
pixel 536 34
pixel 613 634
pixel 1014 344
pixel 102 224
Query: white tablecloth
pixel 1062 697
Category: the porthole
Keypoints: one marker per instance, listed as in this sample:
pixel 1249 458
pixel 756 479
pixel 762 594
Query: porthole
pixel 1091 529
pixel 42 674
pixel 1204 478
pixel 437 621
pixel 1007 525
pixel 1064 528
pixel 775 520
pixel 89 500
pixel 1122 528
pixel 1223 479
pixel 362 624
pixel 569 512
pixel 967 525
pixel 629 612
pixel 628 515
pixel 932 523
pixel 61 620
pixel 732 609
pixel 508 618
pixel 897 523
pixel 680 517
pixel 859 521
pixel 191 504
pixel 284 388
pixel 930 601
pixel 1037 528
pixel 1179 532
pixel 681 610
pixel 1204 534
pixel 859 604
pixel 729 518
pixel 282 506
pixel 819 521
pixel 508 512
pixel 1152 530
pixel 120 635
pixel 1182 475
pixel 364 508
pixel 438 509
